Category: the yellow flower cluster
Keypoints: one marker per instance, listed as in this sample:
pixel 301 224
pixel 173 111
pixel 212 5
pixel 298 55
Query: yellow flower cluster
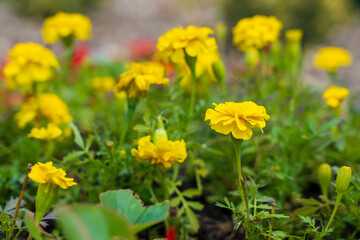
pixel 29 63
pixel 63 25
pixel 51 132
pixel 237 118
pixel 45 172
pixel 104 84
pixel 334 95
pixel 164 152
pixel 193 40
pixel 137 80
pixel 293 35
pixel 203 68
pixel 256 32
pixel 45 105
pixel 331 58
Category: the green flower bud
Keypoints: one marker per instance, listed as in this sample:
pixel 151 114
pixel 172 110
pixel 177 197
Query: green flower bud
pixel 45 196
pixel 160 132
pixel 109 145
pixel 343 179
pixel 324 176
pixel 252 58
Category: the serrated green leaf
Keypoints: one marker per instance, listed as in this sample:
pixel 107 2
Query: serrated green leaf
pixel 192 219
pixel 191 192
pixel 174 202
pixel 77 136
pixel 141 128
pixel 195 205
pixel 73 155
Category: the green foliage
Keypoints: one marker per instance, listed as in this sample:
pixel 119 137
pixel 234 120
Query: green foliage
pixel 82 222
pixel 131 206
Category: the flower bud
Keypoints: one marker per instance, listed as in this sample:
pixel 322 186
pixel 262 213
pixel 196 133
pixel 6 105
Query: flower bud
pixel 160 132
pixel 324 176
pixel 109 145
pixel 343 179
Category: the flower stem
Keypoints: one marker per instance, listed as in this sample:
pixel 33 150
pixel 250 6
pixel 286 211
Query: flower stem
pixel 237 146
pixel 191 62
pixel 337 203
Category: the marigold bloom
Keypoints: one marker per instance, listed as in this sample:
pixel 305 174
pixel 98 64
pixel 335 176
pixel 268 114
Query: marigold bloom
pixel 293 35
pixel 29 63
pixel 137 80
pixel 46 105
pixel 203 67
pixel 105 83
pixel 51 132
pixel 45 172
pixel 194 40
pixel 63 25
pixel 256 32
pixel 237 118
pixel 164 152
pixel 334 95
pixel 331 58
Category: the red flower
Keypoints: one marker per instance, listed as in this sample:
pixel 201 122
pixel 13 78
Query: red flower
pixel 81 52
pixel 142 49
pixel 171 233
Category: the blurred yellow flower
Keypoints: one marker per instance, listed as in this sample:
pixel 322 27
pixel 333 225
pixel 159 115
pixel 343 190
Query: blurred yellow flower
pixel 137 80
pixel 29 63
pixel 237 118
pixel 193 40
pixel 51 132
pixel 63 25
pixel 293 35
pixel 203 68
pixel 256 32
pixel 45 172
pixel 46 105
pixel 331 58
pixel 105 83
pixel 334 95
pixel 164 152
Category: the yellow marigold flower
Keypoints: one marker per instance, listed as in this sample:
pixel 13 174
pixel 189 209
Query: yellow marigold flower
pixel 237 118
pixel 203 67
pixel 194 40
pixel 51 132
pixel 293 35
pixel 105 83
pixel 63 25
pixel 45 172
pixel 331 58
pixel 137 80
pixel 164 152
pixel 256 32
pixel 29 63
pixel 334 95
pixel 46 105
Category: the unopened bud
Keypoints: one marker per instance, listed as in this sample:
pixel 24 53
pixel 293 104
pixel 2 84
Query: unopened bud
pixel 324 176
pixel 252 58
pixel 219 70
pixel 160 132
pixel 343 179
pixel 109 145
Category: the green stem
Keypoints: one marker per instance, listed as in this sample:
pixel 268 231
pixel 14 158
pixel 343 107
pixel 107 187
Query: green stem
pixel 337 203
pixel 237 146
pixel 191 62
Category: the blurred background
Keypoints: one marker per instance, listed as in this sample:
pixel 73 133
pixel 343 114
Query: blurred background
pixel 119 24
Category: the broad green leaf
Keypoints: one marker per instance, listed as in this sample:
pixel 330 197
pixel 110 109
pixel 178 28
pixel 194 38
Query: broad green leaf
pixel 87 222
pixel 77 136
pixel 33 228
pixel 133 208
